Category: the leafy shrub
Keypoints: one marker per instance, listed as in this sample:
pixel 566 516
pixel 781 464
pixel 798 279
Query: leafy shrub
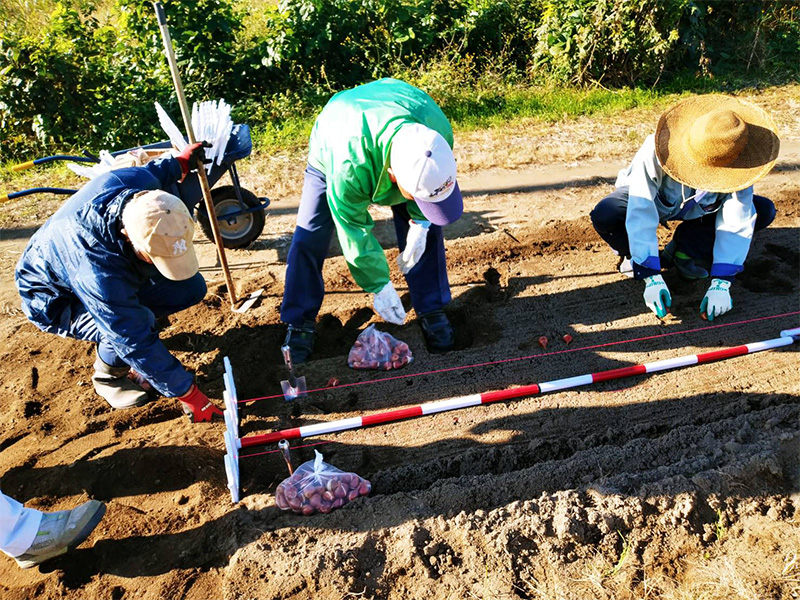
pixel 620 42
pixel 760 38
pixel 45 79
pixel 501 31
pixel 344 42
pixel 77 82
pixel 204 34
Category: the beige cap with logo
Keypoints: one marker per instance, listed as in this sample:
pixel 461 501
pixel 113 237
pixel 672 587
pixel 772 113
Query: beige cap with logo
pixel 159 224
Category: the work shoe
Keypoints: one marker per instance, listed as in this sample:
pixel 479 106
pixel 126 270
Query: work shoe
pixel 113 385
pixel 625 267
pixel 672 257
pixel 300 340
pixel 439 334
pixel 62 531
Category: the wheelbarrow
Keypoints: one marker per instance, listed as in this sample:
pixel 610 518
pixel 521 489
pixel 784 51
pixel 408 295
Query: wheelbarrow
pixel 240 213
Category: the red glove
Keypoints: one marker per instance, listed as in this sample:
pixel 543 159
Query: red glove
pixel 193 157
pixel 197 405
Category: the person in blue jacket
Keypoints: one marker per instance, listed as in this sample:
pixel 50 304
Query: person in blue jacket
pixel 698 168
pixel 114 258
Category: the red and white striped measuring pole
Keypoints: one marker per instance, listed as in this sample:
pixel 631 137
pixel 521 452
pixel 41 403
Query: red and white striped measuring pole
pixel 233 443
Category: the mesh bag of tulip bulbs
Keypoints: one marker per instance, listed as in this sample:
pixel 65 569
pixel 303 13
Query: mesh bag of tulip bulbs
pixel 317 487
pixel 378 350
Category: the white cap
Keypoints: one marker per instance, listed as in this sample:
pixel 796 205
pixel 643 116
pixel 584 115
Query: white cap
pixel 159 224
pixel 424 166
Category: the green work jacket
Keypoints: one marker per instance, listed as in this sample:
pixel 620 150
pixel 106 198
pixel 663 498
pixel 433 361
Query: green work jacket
pixel 350 144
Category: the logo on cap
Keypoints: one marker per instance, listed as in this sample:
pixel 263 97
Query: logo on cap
pixel 442 188
pixel 179 247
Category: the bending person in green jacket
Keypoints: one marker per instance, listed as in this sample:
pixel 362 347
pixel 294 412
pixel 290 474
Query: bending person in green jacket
pixel 385 143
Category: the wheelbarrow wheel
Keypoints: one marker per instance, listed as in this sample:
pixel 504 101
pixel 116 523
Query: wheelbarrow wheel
pixel 239 231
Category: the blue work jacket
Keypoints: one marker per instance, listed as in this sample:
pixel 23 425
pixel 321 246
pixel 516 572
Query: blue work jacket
pixel 79 262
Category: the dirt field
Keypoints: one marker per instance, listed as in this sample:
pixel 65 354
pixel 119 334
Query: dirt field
pixel 681 485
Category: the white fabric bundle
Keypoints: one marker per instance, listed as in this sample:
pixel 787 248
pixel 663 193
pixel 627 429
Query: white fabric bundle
pixel 211 122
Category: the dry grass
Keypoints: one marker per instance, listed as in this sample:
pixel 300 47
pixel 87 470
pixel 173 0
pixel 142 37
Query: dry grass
pixel 611 137
pixel 758 559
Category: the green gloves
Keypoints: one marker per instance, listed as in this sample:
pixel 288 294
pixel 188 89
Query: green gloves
pixel 717 300
pixel 657 296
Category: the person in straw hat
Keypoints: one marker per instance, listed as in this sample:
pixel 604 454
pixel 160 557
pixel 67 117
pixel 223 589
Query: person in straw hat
pixel 698 168
pixel 117 256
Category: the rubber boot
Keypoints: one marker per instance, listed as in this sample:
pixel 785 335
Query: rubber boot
pixel 625 267
pixel 62 531
pixel 112 384
pixel 688 269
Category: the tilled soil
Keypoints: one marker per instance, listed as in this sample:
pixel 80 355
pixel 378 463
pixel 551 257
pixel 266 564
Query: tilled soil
pixel 670 485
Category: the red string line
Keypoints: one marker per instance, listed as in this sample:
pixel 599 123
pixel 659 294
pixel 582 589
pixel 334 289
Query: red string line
pixel 508 360
pixel 293 448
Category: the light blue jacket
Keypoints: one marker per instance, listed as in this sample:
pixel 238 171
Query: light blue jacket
pixel 655 197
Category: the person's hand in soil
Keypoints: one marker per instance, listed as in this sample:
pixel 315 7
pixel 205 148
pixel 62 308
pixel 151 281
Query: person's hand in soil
pixel 197 405
pixel 717 300
pixel 657 296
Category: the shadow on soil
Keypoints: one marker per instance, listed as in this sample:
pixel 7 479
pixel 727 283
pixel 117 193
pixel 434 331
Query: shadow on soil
pixel 639 448
pixel 499 319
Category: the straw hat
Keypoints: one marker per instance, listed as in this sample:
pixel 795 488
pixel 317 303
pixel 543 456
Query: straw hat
pixel 716 143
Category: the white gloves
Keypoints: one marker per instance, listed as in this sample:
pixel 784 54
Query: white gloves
pixel 717 300
pixel 415 245
pixel 657 296
pixel 387 304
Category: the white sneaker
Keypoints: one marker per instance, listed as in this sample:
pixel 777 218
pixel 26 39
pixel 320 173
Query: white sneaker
pixel 62 531
pixel 625 267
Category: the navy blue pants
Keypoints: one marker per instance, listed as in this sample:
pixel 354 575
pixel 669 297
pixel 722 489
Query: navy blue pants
pixel 162 296
pixel 305 288
pixel 694 238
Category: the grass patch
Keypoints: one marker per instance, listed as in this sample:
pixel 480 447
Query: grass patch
pixel 289 134
pixel 484 104
pixel 474 108
pixel 481 110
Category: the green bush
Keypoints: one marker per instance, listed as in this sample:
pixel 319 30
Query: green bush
pixel 77 82
pixel 618 42
pixel 204 37
pixel 340 43
pixel 54 88
pixel 752 38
